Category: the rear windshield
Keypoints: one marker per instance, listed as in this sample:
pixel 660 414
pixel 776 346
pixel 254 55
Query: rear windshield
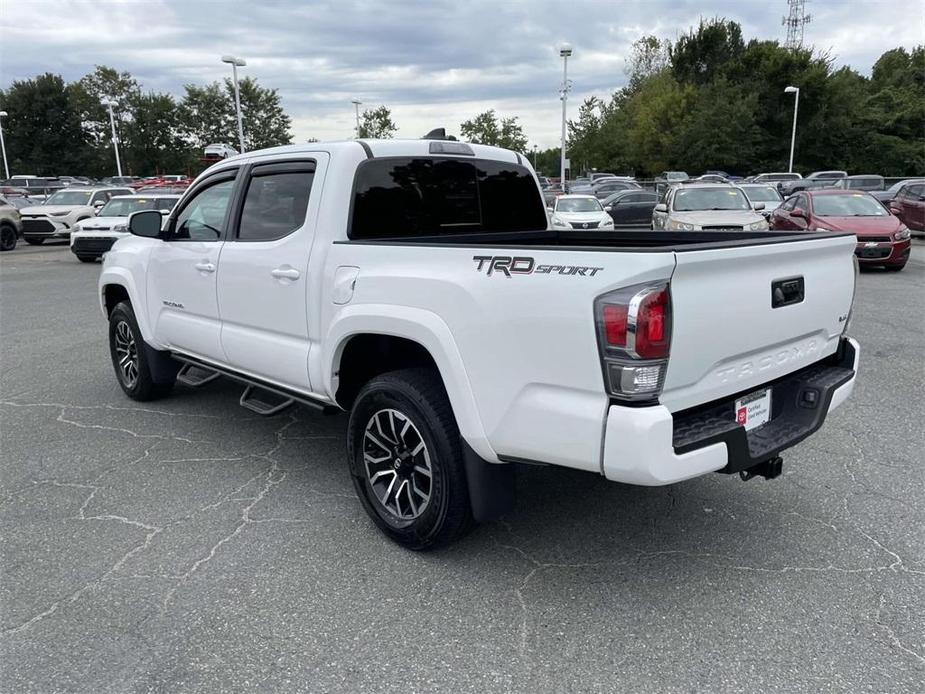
pixel 406 197
pixel 856 205
pixel 578 205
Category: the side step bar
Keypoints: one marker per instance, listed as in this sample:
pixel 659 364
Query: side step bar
pixel 260 397
pixel 196 376
pixel 254 399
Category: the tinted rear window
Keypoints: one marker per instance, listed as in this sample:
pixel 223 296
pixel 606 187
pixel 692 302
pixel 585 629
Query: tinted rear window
pixel 404 197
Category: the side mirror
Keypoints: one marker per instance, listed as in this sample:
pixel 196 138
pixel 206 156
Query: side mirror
pixel 99 203
pixel 164 212
pixel 146 223
pixel 608 208
pixel 759 206
pixel 661 207
pixel 895 209
pixel 798 212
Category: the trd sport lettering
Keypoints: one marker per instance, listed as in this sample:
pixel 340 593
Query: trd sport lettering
pixel 525 265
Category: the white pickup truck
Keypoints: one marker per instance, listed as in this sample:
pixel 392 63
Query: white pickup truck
pixel 415 284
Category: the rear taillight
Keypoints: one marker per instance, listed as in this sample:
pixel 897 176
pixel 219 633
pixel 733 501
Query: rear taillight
pixel 634 338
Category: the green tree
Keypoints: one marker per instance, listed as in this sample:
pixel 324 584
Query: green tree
pixel 42 130
pixel 153 141
pixel 487 129
pixel 648 57
pixel 207 117
pixel 377 123
pixel 702 54
pixel 266 124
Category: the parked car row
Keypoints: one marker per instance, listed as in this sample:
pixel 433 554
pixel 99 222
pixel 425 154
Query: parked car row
pixel 91 218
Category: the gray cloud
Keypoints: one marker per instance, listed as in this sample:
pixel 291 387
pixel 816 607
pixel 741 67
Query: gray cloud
pixel 434 63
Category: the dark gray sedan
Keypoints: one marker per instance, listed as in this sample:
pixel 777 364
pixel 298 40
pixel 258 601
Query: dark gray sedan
pixel 630 208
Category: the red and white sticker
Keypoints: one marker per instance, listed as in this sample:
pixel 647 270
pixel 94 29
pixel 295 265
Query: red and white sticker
pixel 754 409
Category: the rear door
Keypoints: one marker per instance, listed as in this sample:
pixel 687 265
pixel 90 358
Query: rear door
pixel 263 282
pixel 729 331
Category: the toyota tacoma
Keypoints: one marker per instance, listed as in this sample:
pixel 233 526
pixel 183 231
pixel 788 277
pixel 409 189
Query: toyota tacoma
pixel 416 285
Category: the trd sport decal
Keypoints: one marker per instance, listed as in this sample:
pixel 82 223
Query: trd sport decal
pixel 525 265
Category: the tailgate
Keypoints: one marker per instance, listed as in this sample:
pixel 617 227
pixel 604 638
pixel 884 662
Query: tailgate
pixel 726 335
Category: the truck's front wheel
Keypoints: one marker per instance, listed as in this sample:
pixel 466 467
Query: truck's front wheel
pixel 406 459
pixel 126 347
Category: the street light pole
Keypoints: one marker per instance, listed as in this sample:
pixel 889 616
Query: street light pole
pixel 534 157
pixel 115 138
pixel 6 167
pixel 235 64
pixel 793 137
pixel 565 50
pixel 356 104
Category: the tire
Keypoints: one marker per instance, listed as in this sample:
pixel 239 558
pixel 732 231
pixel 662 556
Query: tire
pixel 34 242
pixel 125 341
pixel 8 238
pixel 393 415
pixel 87 258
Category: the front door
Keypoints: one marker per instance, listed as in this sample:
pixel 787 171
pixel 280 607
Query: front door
pixel 182 271
pixel 263 280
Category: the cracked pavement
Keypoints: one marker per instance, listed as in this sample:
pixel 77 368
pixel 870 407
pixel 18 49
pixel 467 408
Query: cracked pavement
pixel 190 545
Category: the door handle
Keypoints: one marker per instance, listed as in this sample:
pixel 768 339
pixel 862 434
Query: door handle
pixel 286 272
pixel 205 267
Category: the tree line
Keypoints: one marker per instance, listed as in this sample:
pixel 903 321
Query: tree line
pixel 709 100
pixel 712 101
pixel 54 127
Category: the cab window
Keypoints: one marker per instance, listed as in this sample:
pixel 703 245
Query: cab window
pixel 203 217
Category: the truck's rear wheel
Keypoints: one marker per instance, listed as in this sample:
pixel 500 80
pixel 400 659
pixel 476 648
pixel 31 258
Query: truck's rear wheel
pixel 126 347
pixel 406 459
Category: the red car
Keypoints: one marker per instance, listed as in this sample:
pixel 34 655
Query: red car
pixel 883 239
pixel 909 205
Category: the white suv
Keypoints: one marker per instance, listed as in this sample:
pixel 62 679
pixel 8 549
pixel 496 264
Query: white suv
pixel 55 217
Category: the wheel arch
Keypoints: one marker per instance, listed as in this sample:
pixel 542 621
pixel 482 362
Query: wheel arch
pixel 361 343
pixel 117 284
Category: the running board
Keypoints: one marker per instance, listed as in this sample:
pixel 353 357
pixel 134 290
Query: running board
pixel 264 402
pixel 281 394
pixel 196 376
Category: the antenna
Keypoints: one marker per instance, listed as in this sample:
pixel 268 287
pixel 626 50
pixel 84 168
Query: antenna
pixel 796 22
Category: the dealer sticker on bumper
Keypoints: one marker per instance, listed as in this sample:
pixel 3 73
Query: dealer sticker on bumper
pixel 754 410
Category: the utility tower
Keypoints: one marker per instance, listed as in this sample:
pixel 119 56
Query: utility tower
pixel 795 21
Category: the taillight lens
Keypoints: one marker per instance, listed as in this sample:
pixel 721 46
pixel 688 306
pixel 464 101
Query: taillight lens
pixel 651 335
pixel 634 339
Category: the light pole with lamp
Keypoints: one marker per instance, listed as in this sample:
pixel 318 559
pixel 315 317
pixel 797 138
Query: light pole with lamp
pixel 793 137
pixel 6 167
pixel 534 157
pixel 356 105
pixel 235 64
pixel 565 50
pixel 108 103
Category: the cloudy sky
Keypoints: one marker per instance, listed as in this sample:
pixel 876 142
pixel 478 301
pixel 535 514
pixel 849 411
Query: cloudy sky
pixel 433 62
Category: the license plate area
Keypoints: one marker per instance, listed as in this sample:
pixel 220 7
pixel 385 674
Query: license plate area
pixel 754 409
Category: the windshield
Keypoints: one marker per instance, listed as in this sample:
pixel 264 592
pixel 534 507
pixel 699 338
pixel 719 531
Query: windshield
pixel 691 199
pixel 762 194
pixel 856 205
pixel 123 207
pixel 578 205
pixel 69 197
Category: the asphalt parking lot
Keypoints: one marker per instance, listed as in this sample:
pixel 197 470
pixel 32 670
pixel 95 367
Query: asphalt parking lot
pixel 189 545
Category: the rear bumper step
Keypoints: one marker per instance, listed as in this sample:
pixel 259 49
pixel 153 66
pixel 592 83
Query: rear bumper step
pixel 799 406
